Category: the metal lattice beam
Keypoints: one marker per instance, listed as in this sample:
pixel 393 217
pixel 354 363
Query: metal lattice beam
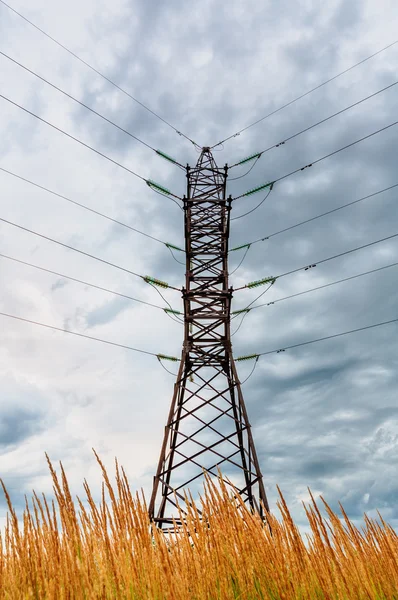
pixel 207 426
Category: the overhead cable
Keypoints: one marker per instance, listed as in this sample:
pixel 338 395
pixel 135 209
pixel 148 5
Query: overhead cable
pixel 258 155
pixel 306 93
pixel 329 212
pixel 162 154
pixel 255 157
pixel 97 287
pixel 266 280
pixel 99 73
pixel 89 337
pixel 314 162
pixel 145 278
pixel 251 372
pixel 328 337
pixel 149 182
pixel 249 308
pixel 92 210
pixel 244 312
pixel 255 208
pixel 170 312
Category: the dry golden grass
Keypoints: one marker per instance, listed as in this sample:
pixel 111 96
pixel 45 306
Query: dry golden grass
pixel 65 550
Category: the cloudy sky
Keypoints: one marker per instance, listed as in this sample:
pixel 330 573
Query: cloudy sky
pixel 324 415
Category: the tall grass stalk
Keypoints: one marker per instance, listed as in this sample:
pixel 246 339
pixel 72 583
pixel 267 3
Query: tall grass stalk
pixel 68 549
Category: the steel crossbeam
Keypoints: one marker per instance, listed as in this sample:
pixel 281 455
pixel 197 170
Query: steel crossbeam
pixel 207 424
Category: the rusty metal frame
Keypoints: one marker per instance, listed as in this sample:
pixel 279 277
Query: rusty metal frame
pixel 206 357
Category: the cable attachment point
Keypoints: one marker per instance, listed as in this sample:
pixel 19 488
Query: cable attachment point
pixel 248 357
pixel 264 281
pixel 309 267
pixel 240 247
pixel 281 350
pixel 259 188
pixel 153 281
pixel 166 157
pixel 158 187
pixel 248 159
pixel 172 247
pixel 171 311
pixel 241 311
pixel 165 357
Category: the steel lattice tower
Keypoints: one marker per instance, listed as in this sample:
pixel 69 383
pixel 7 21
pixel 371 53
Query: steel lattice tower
pixel 207 426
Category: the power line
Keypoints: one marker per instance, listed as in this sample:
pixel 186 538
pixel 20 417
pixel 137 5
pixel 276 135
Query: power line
pixel 106 262
pixel 255 208
pixel 241 261
pixel 83 335
pixel 316 263
pixel 99 73
pixel 323 158
pixel 255 157
pixel 115 162
pixel 246 310
pixel 320 287
pixel 96 212
pixel 173 314
pixel 259 154
pixel 82 104
pixel 251 372
pixel 263 239
pixel 328 337
pixel 249 306
pixel 306 93
pixel 97 287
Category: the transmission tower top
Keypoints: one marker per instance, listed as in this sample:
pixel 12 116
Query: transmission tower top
pixel 208 426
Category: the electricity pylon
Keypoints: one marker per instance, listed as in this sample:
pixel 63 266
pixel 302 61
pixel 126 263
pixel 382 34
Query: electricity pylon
pixel 208 427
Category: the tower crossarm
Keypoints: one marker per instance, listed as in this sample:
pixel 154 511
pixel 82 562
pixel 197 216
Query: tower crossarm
pixel 207 425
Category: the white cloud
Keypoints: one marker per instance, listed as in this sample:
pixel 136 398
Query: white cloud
pixel 210 70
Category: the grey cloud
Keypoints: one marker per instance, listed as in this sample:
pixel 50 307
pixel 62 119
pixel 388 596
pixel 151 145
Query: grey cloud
pixel 107 312
pixel 324 465
pixel 18 424
pixel 59 284
pixel 22 412
pixel 325 415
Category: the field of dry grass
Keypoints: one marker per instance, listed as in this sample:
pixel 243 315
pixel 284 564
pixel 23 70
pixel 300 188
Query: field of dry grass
pixel 70 549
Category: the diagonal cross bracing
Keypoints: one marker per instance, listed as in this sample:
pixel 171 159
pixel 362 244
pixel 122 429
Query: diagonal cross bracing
pixel 207 424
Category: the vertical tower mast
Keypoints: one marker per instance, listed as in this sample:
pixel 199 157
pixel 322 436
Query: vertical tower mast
pixel 208 426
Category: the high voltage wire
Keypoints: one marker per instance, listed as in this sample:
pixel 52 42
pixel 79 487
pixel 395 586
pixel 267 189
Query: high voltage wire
pixel 320 287
pixel 97 287
pixel 305 94
pixel 315 263
pixel 173 314
pixel 255 208
pixel 318 160
pixel 263 239
pixel 115 162
pixel 84 105
pixel 89 337
pixel 328 337
pixel 98 72
pixel 166 357
pixel 259 154
pixel 256 158
pixel 106 262
pixel 96 212
pixel 244 312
